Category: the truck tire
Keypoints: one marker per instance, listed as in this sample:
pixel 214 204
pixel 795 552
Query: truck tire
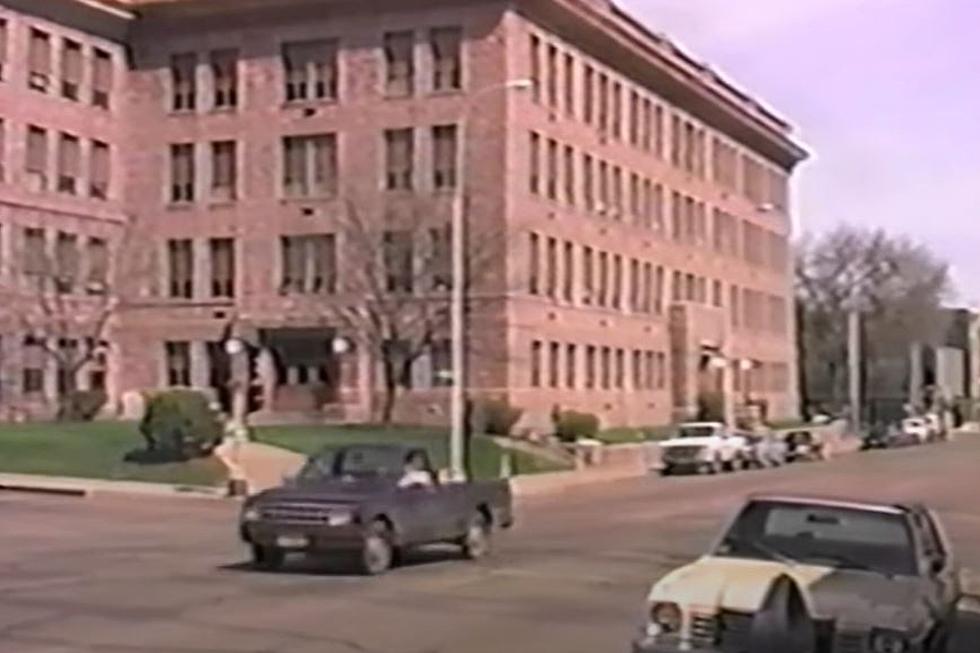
pixel 377 551
pixel 716 466
pixel 476 543
pixel 267 558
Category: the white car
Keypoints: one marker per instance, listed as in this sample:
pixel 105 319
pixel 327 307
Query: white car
pixel 918 427
pixel 937 430
pixel 703 447
pixel 799 574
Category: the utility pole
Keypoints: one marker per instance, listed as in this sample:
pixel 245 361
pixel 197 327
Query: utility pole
pixel 854 355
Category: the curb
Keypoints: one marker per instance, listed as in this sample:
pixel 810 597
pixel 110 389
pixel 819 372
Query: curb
pixel 86 488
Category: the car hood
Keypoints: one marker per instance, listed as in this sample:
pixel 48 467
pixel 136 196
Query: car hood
pixel 857 598
pixel 333 490
pixel 689 442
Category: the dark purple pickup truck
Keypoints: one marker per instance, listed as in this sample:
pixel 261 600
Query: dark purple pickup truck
pixel 358 499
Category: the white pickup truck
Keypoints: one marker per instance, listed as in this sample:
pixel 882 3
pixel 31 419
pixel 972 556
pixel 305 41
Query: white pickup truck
pixel 703 447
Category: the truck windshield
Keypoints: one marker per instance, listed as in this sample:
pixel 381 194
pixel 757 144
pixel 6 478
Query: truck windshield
pixel 831 536
pixel 357 461
pixel 696 431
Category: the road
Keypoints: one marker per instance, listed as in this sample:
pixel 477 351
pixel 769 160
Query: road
pixel 132 575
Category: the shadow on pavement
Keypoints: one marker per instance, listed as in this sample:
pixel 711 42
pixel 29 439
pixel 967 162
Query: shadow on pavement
pixel 345 564
pixel 967 636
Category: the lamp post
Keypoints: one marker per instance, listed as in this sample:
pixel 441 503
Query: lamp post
pixel 457 408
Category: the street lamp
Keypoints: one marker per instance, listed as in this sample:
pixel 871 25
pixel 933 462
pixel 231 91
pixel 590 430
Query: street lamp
pixel 457 407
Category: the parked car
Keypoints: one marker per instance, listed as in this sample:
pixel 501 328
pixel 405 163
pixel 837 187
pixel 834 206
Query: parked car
pixel 814 575
pixel 919 427
pixel 805 444
pixel 355 499
pixel 883 436
pixel 765 449
pixel 703 447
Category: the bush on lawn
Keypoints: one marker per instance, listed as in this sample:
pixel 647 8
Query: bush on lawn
pixel 571 425
pixel 179 425
pixel 81 405
pixel 496 417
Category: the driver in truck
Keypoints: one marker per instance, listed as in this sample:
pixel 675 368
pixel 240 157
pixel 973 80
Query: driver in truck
pixel 415 473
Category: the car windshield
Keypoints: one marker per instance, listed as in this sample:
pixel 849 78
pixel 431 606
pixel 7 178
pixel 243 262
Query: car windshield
pixel 700 431
pixel 357 461
pixel 824 535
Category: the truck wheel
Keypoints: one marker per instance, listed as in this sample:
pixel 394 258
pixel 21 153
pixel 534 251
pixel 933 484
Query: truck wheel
pixel 267 558
pixel 716 466
pixel 666 471
pixel 377 550
pixel 476 543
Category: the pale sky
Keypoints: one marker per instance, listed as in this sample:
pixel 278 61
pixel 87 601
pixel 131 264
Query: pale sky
pixel 884 93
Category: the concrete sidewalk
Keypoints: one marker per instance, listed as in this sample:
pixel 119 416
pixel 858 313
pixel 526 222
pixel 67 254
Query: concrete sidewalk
pixel 84 487
pixel 261 465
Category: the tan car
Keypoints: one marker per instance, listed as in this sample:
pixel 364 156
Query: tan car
pixel 811 576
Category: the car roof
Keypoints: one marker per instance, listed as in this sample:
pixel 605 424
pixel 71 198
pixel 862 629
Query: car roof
pixel 831 502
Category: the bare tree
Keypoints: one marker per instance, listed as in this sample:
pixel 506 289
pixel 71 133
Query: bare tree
pixel 903 286
pixel 395 294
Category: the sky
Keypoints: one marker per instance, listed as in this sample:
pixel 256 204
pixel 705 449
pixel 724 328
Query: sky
pixel 885 94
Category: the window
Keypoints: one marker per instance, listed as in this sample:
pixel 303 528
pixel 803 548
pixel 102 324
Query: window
pixel 399 63
pixel 603 188
pixel 3 48
pixel 224 166
pixel 617 110
pixel 676 137
pixel 569 175
pixel 71 69
pixel 101 79
pixel 534 264
pixel 309 264
pixel 97 256
pixel 571 354
pixel 310 165
pixel 180 266
pixel 588 99
pixel 634 119
pixel 605 365
pixel 568 272
pixel 534 164
pixel 67 262
pixel 617 281
pixel 620 369
pixel 552 170
pixel 446 44
pixel 658 131
pixel 554 355
pixel 440 251
pixel 39 61
pixel 658 290
pixel 99 170
pixel 399 261
pixel 590 367
pixel 311 70
pixel 69 164
pixel 603 278
pixel 661 371
pixel 634 301
pixel 569 84
pixel 638 383
pixel 677 286
pixel 3 148
pixel 444 156
pixel 588 276
pixel 603 103
pixel 182 172
pixel 441 367
pixel 588 181
pixel 222 251
pixel 178 361
pixel 735 305
pixel 634 198
pixel 183 75
pixel 399 159
pixel 535 68
pixel 677 216
pixel 617 192
pixel 716 294
pixel 224 74
pixel 552 268
pixel 536 364
pixel 35 253
pixel 36 164
pixel 552 75
pixel 646 125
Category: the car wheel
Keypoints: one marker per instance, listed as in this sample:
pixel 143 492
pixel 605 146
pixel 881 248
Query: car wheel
pixel 267 558
pixel 477 541
pixel 666 471
pixel 377 550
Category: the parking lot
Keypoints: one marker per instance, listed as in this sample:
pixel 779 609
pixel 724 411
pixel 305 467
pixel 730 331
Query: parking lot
pixel 134 575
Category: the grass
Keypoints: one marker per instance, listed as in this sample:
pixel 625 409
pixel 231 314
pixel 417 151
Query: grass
pixel 93 450
pixel 486 454
pixel 629 435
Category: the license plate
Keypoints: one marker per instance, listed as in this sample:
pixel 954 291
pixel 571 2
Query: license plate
pixel 292 542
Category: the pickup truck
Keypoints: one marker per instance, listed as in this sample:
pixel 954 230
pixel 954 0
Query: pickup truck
pixel 704 447
pixel 355 499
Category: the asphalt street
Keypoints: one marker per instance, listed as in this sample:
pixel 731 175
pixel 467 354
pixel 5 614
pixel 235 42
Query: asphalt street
pixel 138 575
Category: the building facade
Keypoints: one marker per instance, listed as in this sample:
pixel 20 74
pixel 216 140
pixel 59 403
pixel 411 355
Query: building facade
pixel 627 210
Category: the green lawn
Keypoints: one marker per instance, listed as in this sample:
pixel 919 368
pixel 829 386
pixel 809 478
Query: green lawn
pixel 627 435
pixel 93 450
pixel 486 454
